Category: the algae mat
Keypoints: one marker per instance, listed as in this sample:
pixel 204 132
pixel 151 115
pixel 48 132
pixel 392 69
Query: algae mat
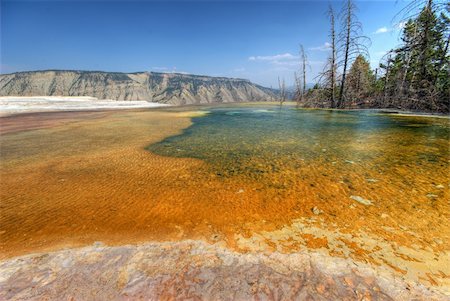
pixel 356 185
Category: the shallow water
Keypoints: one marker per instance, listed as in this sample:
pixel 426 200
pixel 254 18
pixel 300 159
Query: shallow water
pixel 377 176
pixel 359 184
pixel 257 141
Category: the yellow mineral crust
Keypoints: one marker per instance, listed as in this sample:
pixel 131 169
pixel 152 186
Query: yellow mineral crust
pixel 71 181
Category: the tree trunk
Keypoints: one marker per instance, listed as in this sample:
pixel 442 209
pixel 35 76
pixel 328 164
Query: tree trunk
pixel 333 57
pixel 386 80
pixel 347 48
pixel 425 44
pixel 302 50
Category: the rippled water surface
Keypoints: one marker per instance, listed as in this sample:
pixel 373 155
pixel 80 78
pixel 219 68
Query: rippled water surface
pixel 258 141
pixel 354 184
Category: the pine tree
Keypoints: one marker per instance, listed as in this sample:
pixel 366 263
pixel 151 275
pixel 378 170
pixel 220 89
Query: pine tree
pixel 360 79
pixel 420 68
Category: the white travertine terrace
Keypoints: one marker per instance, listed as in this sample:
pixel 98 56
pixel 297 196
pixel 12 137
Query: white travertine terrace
pixel 26 104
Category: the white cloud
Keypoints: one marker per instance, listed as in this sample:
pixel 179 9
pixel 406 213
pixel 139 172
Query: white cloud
pixel 325 47
pixel 383 29
pixel 396 27
pixel 284 60
pixel 274 58
pixel 285 65
pixel 239 69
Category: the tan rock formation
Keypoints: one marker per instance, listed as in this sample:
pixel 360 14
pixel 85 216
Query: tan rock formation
pixel 169 88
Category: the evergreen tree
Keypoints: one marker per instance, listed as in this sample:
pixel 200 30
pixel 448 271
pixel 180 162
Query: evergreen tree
pixel 360 80
pixel 419 75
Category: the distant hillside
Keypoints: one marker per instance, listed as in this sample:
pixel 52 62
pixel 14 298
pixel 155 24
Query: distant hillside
pixel 169 88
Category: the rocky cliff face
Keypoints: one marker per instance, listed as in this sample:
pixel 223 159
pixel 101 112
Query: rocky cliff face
pixel 150 86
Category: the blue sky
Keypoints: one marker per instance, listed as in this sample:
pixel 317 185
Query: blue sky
pixel 257 40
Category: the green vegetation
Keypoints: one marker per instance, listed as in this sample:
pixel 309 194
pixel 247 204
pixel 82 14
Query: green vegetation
pixel 413 76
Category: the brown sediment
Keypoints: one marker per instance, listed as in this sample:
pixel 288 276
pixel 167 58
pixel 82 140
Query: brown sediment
pixel 29 121
pixel 397 269
pixel 88 180
pixel 92 180
pixel 314 242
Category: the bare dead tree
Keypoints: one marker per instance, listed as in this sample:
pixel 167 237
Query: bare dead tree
pixel 353 42
pixel 282 88
pixel 298 90
pixel 347 27
pixel 329 74
pixel 388 58
pixel 333 55
pixel 304 64
pixel 413 8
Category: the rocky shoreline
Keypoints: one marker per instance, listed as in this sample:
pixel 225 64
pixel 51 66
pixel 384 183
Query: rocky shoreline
pixel 197 270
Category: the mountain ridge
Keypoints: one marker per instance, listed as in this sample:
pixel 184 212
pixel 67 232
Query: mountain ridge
pixel 171 88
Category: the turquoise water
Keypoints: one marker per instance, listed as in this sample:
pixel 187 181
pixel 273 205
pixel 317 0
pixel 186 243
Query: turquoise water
pixel 259 140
